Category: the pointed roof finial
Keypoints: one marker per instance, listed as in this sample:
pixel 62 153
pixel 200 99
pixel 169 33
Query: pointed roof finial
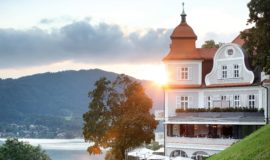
pixel 183 15
pixel 183 12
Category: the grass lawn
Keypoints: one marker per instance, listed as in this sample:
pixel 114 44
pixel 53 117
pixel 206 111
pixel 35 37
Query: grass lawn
pixel 254 147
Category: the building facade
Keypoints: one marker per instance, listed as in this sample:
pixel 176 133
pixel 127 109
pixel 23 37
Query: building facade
pixel 213 98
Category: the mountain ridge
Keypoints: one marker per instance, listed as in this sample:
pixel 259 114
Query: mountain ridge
pixel 46 99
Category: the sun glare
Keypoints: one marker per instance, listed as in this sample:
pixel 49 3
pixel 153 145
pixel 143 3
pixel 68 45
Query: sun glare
pixel 160 77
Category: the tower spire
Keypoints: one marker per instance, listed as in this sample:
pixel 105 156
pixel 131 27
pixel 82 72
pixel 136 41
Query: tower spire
pixel 183 15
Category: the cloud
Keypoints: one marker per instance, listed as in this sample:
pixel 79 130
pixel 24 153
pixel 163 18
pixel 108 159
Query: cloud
pixel 46 21
pixel 83 42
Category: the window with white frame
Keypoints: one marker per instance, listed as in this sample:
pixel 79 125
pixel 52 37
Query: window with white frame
pixel 209 101
pixel 236 71
pixel 224 71
pixel 223 98
pixel 182 102
pixel 183 73
pixel 251 101
pixel 236 99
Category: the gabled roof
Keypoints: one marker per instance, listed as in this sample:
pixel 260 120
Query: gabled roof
pixel 238 40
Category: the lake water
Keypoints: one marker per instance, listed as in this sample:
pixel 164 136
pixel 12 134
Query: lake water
pixel 64 149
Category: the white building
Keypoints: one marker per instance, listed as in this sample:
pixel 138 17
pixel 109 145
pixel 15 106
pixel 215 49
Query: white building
pixel 203 86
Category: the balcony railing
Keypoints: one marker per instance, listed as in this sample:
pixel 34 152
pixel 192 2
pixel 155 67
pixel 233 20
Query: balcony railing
pixel 217 109
pixel 222 142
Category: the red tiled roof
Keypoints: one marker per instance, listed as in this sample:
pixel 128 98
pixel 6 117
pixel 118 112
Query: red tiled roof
pixel 183 30
pixel 183 56
pixel 238 40
pixel 207 53
pixel 266 81
pixel 229 85
pixel 199 53
pixel 175 86
pixel 211 86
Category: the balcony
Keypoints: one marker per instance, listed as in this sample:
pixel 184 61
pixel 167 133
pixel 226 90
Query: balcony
pixel 206 117
pixel 200 143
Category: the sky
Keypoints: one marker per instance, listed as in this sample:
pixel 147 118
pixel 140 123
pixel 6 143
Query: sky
pixel 121 36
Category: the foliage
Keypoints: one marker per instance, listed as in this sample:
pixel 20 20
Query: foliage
pixel 118 116
pixel 216 109
pixel 257 39
pixel 13 149
pixel 254 147
pixel 211 44
pixel 153 145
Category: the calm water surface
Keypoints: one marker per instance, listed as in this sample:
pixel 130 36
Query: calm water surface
pixel 64 149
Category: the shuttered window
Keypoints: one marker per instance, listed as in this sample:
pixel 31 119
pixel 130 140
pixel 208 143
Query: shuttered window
pixel 184 73
pixel 182 102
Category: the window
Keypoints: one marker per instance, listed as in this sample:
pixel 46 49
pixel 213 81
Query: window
pixel 236 100
pixel 169 130
pixel 182 102
pixel 251 101
pixel 236 71
pixel 230 52
pixel 209 101
pixel 223 98
pixel 224 72
pixel 183 73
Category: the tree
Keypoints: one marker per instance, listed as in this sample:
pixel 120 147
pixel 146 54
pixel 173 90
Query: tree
pixel 12 149
pixel 211 44
pixel 257 38
pixel 118 117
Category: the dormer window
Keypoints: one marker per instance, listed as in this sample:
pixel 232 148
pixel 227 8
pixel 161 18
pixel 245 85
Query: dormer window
pixel 224 72
pixel 183 73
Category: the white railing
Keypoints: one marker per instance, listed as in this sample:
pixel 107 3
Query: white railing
pixel 201 141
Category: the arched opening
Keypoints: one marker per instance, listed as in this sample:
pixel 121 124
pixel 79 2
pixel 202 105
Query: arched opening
pixel 199 155
pixel 178 153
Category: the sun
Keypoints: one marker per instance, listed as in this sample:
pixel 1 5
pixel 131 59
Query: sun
pixel 160 76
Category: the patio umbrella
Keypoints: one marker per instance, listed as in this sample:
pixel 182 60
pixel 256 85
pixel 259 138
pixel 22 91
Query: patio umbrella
pixel 158 157
pixel 181 158
pixel 140 152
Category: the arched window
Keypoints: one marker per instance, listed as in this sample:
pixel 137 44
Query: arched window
pixel 199 155
pixel 178 153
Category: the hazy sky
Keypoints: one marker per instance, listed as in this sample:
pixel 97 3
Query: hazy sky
pixel 122 36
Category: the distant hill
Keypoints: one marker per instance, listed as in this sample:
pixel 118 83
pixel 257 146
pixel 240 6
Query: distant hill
pixel 254 147
pixel 56 100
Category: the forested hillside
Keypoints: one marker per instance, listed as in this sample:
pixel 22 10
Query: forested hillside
pixel 51 104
